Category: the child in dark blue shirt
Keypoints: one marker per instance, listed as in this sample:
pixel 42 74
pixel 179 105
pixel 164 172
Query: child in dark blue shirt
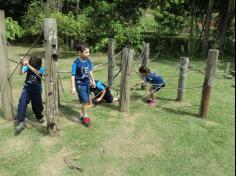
pixel 32 90
pixel 102 93
pixel 80 80
pixel 156 82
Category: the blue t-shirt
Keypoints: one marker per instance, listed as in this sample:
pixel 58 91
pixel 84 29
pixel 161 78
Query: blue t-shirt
pixel 31 78
pixel 99 88
pixel 81 69
pixel 154 79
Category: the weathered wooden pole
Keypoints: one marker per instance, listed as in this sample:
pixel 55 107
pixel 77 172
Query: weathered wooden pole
pixel 146 55
pixel 226 73
pixel 208 82
pixel 5 84
pixel 111 62
pixel 184 61
pixel 51 50
pixel 127 60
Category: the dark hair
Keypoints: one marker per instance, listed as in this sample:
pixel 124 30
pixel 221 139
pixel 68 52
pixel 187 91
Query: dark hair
pixel 80 47
pixel 144 69
pixel 35 61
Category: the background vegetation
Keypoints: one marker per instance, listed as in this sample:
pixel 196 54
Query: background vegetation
pixel 197 25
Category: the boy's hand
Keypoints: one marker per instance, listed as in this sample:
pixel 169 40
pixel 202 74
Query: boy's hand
pixel 73 91
pixel 94 84
pixel 98 100
pixel 24 61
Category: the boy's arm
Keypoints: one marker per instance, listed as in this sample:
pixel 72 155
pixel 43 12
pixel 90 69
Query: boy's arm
pixel 101 96
pixel 22 63
pixel 73 90
pixel 92 79
pixel 38 73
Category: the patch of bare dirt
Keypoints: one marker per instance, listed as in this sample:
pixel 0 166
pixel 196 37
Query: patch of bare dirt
pixel 54 165
pixel 14 146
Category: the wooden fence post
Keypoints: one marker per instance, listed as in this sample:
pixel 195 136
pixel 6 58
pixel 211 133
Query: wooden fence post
pixel 51 49
pixel 5 85
pixel 111 62
pixel 184 61
pixel 208 82
pixel 226 73
pixel 127 61
pixel 146 55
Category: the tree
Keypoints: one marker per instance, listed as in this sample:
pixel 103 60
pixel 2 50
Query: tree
pixel 207 28
pixel 226 15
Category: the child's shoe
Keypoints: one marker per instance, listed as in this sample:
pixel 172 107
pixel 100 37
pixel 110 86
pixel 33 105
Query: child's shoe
pixel 39 118
pixel 86 121
pixel 20 126
pixel 149 100
pixel 151 103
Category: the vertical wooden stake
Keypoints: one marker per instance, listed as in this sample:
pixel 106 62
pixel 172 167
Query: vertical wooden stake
pixel 127 60
pixel 145 59
pixel 51 49
pixel 5 84
pixel 226 73
pixel 208 82
pixel 111 62
pixel 184 61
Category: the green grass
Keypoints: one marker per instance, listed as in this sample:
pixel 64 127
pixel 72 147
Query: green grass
pixel 168 139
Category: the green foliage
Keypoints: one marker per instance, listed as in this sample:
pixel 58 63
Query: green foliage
pixel 111 20
pixel 13 29
pixel 69 26
pixel 33 19
pixel 171 17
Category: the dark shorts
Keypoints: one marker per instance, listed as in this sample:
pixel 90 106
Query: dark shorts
pixel 157 88
pixel 83 93
pixel 108 97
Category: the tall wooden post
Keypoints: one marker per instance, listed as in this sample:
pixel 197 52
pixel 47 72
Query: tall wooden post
pixel 146 55
pixel 208 82
pixel 226 73
pixel 127 60
pixel 184 61
pixel 51 49
pixel 5 85
pixel 111 62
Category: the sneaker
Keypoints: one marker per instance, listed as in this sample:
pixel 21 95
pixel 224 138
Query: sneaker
pixel 86 121
pixel 20 126
pixel 149 100
pixel 40 120
pixel 152 103
pixel 81 119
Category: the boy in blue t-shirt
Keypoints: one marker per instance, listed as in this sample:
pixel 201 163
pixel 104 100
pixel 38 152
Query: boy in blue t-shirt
pixel 81 74
pixel 156 82
pixel 32 90
pixel 102 93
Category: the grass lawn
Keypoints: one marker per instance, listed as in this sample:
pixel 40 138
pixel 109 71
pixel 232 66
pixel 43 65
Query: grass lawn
pixel 166 140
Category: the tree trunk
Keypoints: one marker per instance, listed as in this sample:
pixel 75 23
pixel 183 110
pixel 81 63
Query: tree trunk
pixel 207 28
pixel 226 16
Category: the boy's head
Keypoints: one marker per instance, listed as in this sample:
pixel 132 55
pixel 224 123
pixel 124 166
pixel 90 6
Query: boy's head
pixel 83 50
pixel 144 70
pixel 35 61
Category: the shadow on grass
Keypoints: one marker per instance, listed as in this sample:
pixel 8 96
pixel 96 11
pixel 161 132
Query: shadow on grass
pixel 69 113
pixel 114 106
pixel 31 120
pixel 180 112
